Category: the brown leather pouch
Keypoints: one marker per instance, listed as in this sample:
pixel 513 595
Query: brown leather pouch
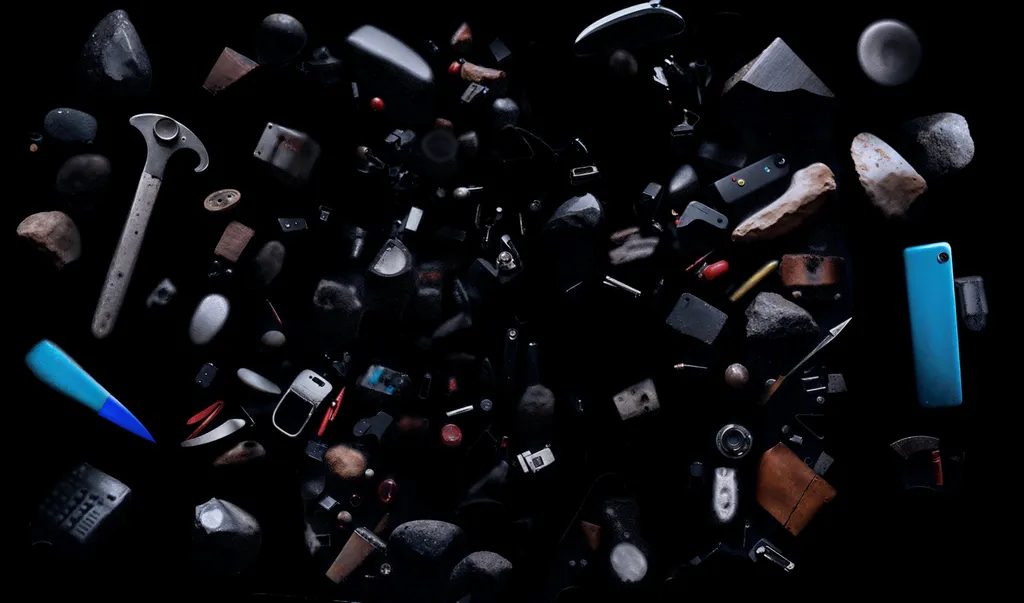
pixel 789 490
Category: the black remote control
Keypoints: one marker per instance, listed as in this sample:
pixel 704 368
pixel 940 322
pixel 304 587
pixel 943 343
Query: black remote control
pixel 81 502
pixel 742 184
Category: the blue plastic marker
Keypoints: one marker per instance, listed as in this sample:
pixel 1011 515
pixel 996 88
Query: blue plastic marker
pixel 56 369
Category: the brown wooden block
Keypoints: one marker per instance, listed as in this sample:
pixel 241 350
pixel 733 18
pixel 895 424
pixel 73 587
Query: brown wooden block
pixel 232 243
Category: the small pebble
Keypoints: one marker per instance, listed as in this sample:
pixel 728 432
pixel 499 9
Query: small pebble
pixel 369 473
pixel 345 517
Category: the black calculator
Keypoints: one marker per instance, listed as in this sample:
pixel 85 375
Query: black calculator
pixel 80 503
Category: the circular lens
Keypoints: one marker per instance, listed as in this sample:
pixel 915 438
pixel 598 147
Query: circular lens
pixel 733 441
pixel 943 257
pixel 780 161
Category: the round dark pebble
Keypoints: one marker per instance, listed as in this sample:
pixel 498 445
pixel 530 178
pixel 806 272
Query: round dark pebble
pixel 281 38
pixel 86 173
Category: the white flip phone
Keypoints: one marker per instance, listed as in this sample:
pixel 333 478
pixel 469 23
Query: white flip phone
pixel 297 405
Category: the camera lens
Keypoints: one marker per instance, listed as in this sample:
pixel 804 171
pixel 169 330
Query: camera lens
pixel 733 441
pixel 780 161
pixel 943 257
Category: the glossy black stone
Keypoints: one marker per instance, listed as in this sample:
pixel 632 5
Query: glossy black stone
pixel 70 125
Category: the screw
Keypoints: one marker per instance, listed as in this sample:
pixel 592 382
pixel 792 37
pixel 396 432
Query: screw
pixel 385 569
pixel 463 192
pixel 786 429
pixel 513 334
pixel 572 563
pixel 820 399
pixel 583 563
pixel 536 205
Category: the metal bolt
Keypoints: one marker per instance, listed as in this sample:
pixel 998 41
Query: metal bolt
pixel 536 205
pixel 506 261
pixel 820 399
pixel 385 569
pixel 463 192
pixel 513 334
pixel 583 563
pixel 611 282
pixel 786 429
pixel 572 563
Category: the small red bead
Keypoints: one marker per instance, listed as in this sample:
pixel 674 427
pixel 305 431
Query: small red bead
pixel 454 68
pixel 377 104
pixel 715 270
pixel 387 490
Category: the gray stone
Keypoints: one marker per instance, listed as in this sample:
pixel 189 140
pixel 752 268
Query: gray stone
pixel 939 144
pixel 281 38
pixel 505 111
pixel 423 553
pixel 628 563
pixel 771 316
pixel 806 193
pixel 268 262
pixel 483 575
pixel 80 174
pixel 70 125
pixel 334 296
pixel 537 406
pixel 622 64
pixel 890 182
pixel 55 233
pixel 114 62
pixel 273 339
pixel 226 539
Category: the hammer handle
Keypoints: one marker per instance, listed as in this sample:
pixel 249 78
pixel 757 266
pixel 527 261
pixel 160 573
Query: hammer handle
pixel 123 263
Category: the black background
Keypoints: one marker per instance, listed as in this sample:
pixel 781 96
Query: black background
pixel 149 364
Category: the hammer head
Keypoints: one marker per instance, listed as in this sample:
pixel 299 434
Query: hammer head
pixel 164 136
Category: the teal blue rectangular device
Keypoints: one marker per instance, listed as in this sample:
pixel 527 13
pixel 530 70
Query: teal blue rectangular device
pixel 933 332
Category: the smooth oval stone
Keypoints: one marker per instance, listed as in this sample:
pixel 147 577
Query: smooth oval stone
pixel 55 233
pixel 114 62
pixel 273 339
pixel 628 562
pixel 86 173
pixel 208 319
pixel 70 125
pixel 257 381
pixel 281 38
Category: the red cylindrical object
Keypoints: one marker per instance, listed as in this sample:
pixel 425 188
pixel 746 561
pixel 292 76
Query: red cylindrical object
pixel 387 490
pixel 454 68
pixel 715 270
pixel 451 435
pixel 377 103
pixel 937 467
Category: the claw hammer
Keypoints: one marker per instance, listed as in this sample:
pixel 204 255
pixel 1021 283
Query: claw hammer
pixel 164 136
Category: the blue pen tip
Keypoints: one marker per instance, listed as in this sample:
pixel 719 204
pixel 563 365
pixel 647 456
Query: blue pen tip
pixel 116 413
